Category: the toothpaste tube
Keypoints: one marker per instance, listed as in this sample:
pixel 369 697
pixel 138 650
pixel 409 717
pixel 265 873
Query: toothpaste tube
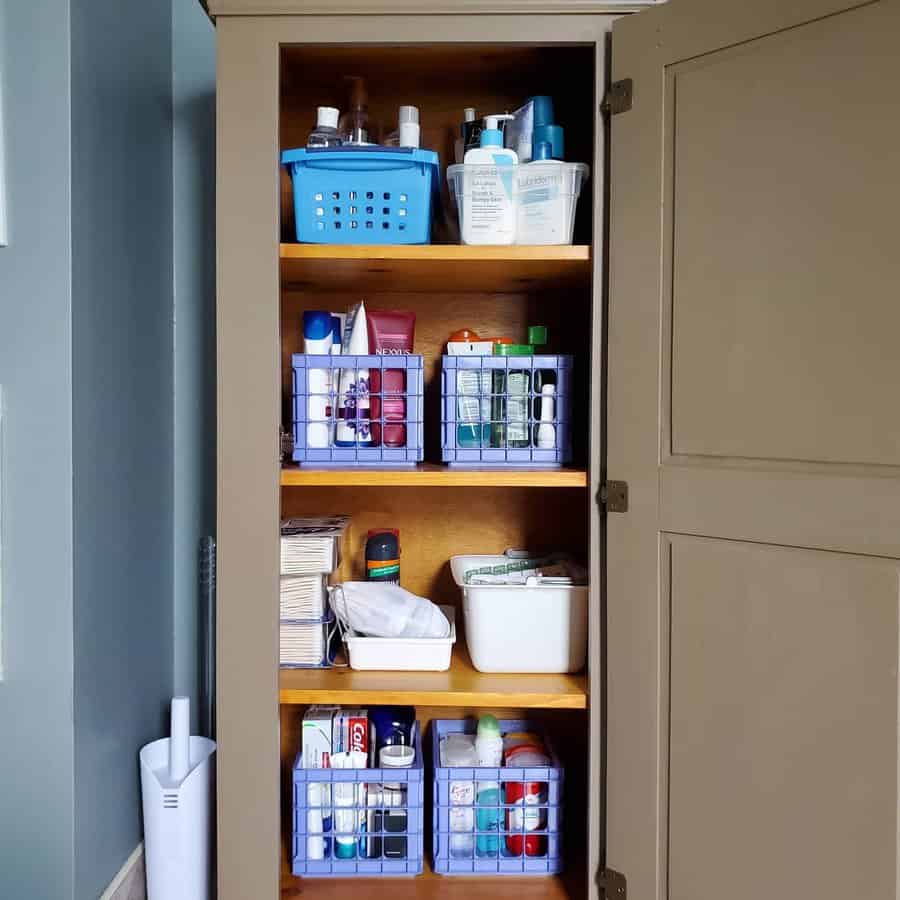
pixel 351 737
pixel 316 736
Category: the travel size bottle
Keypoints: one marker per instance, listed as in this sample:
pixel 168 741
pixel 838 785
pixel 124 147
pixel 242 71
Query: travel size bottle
pixel 325 134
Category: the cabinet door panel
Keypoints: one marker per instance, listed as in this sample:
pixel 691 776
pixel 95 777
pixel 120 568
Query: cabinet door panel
pixel 752 587
pixel 783 687
pixel 783 248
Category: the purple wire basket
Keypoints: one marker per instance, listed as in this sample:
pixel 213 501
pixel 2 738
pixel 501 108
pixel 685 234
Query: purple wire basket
pixel 345 417
pixel 359 808
pixel 491 410
pixel 526 838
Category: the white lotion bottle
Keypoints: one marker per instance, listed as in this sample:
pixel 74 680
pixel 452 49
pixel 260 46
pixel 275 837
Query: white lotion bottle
pixel 353 425
pixel 489 212
pixel 543 210
pixel 546 433
pixel 408 126
pixel 317 339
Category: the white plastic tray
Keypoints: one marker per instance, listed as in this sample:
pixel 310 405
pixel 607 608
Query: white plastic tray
pixel 402 654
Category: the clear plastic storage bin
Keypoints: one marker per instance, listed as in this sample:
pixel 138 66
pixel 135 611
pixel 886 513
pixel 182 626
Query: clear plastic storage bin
pixel 300 636
pixel 544 196
pixel 528 839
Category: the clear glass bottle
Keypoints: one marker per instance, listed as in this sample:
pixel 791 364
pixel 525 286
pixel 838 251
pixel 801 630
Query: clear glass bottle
pixel 354 126
pixel 325 134
pixel 511 406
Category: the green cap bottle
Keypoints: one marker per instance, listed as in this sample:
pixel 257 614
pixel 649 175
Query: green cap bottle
pixel 537 337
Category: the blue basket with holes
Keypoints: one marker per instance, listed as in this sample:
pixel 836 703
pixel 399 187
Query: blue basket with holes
pixel 362 195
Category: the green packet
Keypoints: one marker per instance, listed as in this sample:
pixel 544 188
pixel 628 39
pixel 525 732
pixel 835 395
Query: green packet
pixel 514 566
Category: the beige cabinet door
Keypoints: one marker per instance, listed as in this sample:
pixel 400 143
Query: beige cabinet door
pixel 753 584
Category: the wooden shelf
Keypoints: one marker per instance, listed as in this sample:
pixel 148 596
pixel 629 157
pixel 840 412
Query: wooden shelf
pixel 427 886
pixel 462 685
pixel 433 475
pixel 440 268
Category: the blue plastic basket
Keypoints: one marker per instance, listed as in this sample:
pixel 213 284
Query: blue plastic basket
pixel 390 413
pixel 490 410
pixel 366 841
pixel 450 837
pixel 362 195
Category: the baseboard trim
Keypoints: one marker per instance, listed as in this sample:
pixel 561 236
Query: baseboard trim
pixel 130 882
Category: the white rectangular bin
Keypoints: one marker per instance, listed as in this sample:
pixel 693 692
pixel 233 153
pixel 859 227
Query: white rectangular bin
pixel 522 628
pixel 402 654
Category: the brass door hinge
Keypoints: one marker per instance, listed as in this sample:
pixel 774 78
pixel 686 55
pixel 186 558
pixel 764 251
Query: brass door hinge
pixel 613 885
pixel 613 496
pixel 618 97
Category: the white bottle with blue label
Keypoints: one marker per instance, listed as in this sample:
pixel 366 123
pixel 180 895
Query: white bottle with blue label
pixel 488 202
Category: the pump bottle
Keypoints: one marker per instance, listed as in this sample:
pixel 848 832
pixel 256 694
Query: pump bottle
pixel 489 214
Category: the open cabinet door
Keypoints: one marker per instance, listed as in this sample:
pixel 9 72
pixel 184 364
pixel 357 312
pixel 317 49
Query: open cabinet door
pixel 753 583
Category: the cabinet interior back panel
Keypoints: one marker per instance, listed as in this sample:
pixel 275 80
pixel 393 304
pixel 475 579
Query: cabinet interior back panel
pixel 442 80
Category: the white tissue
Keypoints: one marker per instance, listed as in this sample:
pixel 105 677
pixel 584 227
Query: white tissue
pixel 382 609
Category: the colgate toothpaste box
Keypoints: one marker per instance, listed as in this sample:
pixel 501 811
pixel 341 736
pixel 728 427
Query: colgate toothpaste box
pixel 351 731
pixel 351 735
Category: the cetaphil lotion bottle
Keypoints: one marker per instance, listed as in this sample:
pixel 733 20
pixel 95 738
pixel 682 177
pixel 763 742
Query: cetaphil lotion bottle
pixel 489 213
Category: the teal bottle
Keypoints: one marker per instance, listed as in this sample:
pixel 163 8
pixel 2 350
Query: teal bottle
pixel 488 819
pixel 489 750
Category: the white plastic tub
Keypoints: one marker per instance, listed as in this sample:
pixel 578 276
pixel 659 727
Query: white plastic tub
pixel 402 654
pixel 518 628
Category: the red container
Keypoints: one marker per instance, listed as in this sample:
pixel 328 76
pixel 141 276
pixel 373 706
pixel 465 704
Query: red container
pixel 529 795
pixel 391 333
pixel 394 408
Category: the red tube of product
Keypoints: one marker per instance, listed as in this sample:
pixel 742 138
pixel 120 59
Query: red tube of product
pixel 391 333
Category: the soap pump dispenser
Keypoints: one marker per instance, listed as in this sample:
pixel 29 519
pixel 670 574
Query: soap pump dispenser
pixel 492 151
pixel 488 213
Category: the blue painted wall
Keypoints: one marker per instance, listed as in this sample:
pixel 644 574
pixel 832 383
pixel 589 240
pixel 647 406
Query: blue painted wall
pixel 107 372
pixel 193 160
pixel 36 747
pixel 122 413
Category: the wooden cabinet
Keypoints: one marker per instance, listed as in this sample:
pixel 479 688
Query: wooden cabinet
pixel 717 369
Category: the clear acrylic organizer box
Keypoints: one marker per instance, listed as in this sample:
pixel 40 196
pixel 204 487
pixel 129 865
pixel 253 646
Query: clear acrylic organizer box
pixel 325 626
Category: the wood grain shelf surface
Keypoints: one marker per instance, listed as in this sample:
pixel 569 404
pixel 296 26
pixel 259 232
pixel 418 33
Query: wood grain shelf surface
pixel 427 886
pixel 432 475
pixel 444 268
pixel 461 685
